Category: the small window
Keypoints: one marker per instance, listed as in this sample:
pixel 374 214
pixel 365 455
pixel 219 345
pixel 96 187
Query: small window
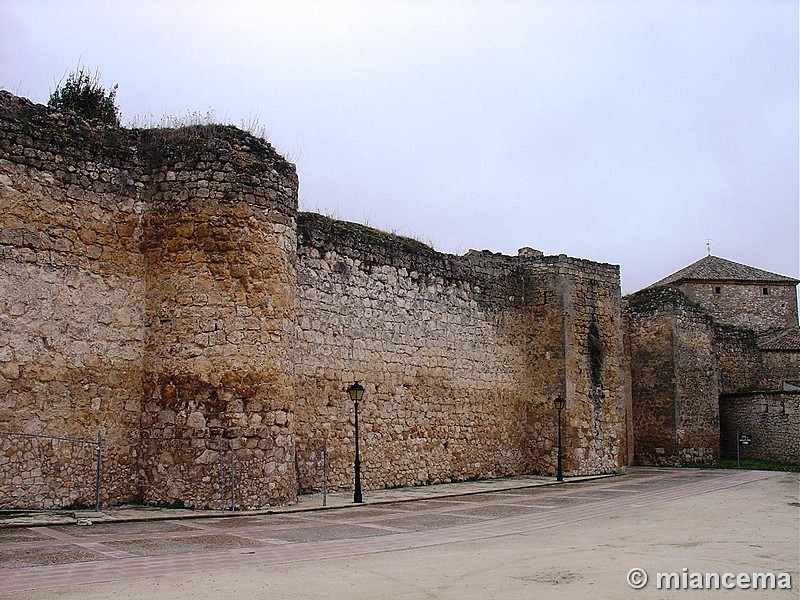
pixel 765 291
pixel 717 290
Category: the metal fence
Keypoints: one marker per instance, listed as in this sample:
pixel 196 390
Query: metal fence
pixel 207 476
pixel 42 472
pixel 49 472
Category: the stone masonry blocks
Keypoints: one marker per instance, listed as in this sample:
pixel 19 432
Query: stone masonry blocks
pixel 159 287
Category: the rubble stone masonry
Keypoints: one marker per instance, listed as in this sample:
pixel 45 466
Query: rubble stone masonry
pixel 771 419
pixel 461 358
pixel 72 298
pixel 756 306
pixel 739 361
pixel 218 244
pixel 159 288
pixel 674 385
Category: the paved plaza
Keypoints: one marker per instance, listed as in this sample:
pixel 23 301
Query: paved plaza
pixel 520 538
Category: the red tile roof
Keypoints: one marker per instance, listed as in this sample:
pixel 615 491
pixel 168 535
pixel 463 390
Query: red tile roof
pixel 780 339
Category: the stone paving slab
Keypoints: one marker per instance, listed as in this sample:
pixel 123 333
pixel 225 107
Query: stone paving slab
pixel 200 543
pixel 16 558
pixel 257 546
pixel 305 503
pixel 102 528
pixel 329 532
pixel 494 512
pixel 311 536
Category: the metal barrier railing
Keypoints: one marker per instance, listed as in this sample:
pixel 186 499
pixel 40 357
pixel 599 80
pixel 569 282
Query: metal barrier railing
pixel 28 458
pixel 44 472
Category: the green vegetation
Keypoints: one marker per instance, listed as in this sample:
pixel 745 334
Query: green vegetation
pixel 750 464
pixel 181 137
pixel 83 94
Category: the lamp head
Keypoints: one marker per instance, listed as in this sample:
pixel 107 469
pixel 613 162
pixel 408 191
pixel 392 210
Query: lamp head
pixel 356 392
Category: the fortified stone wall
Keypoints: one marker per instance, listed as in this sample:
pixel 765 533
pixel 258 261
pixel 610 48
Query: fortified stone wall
pixel 746 305
pixel 147 295
pixel 72 306
pixel 596 375
pixel 157 289
pixel 739 361
pixel 745 365
pixel 441 399
pixel 780 366
pixel 697 387
pixel 653 383
pixel 771 419
pixel 461 358
pixel 674 383
pixel 219 240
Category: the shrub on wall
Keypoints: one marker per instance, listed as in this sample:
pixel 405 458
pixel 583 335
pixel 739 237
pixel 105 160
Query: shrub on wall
pixel 83 94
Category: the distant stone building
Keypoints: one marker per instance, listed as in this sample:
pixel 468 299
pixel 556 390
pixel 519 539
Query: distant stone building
pixel 714 349
pixel 736 294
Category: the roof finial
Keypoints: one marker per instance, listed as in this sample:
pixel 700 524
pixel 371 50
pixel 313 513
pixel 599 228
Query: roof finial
pixel 708 245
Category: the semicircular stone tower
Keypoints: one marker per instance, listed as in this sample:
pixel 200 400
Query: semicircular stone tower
pixel 219 240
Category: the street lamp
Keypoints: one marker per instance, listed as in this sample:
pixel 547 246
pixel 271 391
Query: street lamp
pixel 356 392
pixel 559 403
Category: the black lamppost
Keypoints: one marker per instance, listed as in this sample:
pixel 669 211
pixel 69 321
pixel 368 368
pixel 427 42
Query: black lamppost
pixel 559 403
pixel 356 392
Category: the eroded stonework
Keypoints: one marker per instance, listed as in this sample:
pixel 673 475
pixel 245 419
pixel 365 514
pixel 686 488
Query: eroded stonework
pixel 159 288
pixel 695 381
pixel 461 358
pixel 675 385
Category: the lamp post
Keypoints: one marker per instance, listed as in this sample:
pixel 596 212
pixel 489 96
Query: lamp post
pixel 356 392
pixel 559 403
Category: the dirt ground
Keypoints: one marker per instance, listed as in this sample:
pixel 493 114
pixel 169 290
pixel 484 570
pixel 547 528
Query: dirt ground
pixel 754 527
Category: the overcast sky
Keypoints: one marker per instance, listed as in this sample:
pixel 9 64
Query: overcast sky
pixel 625 132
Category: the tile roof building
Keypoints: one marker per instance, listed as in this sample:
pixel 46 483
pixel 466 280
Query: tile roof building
pixel 714 350
pixel 737 294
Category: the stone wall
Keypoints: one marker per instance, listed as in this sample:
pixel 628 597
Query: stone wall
pixel 697 387
pixel 72 306
pixel 461 358
pixel 771 419
pixel 744 365
pixel 674 384
pixel 596 376
pixel 157 289
pixel 739 360
pixel 421 338
pixel 779 366
pixel 147 295
pixel 650 347
pixel 219 239
pixel 746 305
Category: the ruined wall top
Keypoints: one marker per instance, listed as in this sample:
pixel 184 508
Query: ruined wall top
pixel 658 300
pixel 497 273
pixel 163 288
pixel 45 129
pixel 221 153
